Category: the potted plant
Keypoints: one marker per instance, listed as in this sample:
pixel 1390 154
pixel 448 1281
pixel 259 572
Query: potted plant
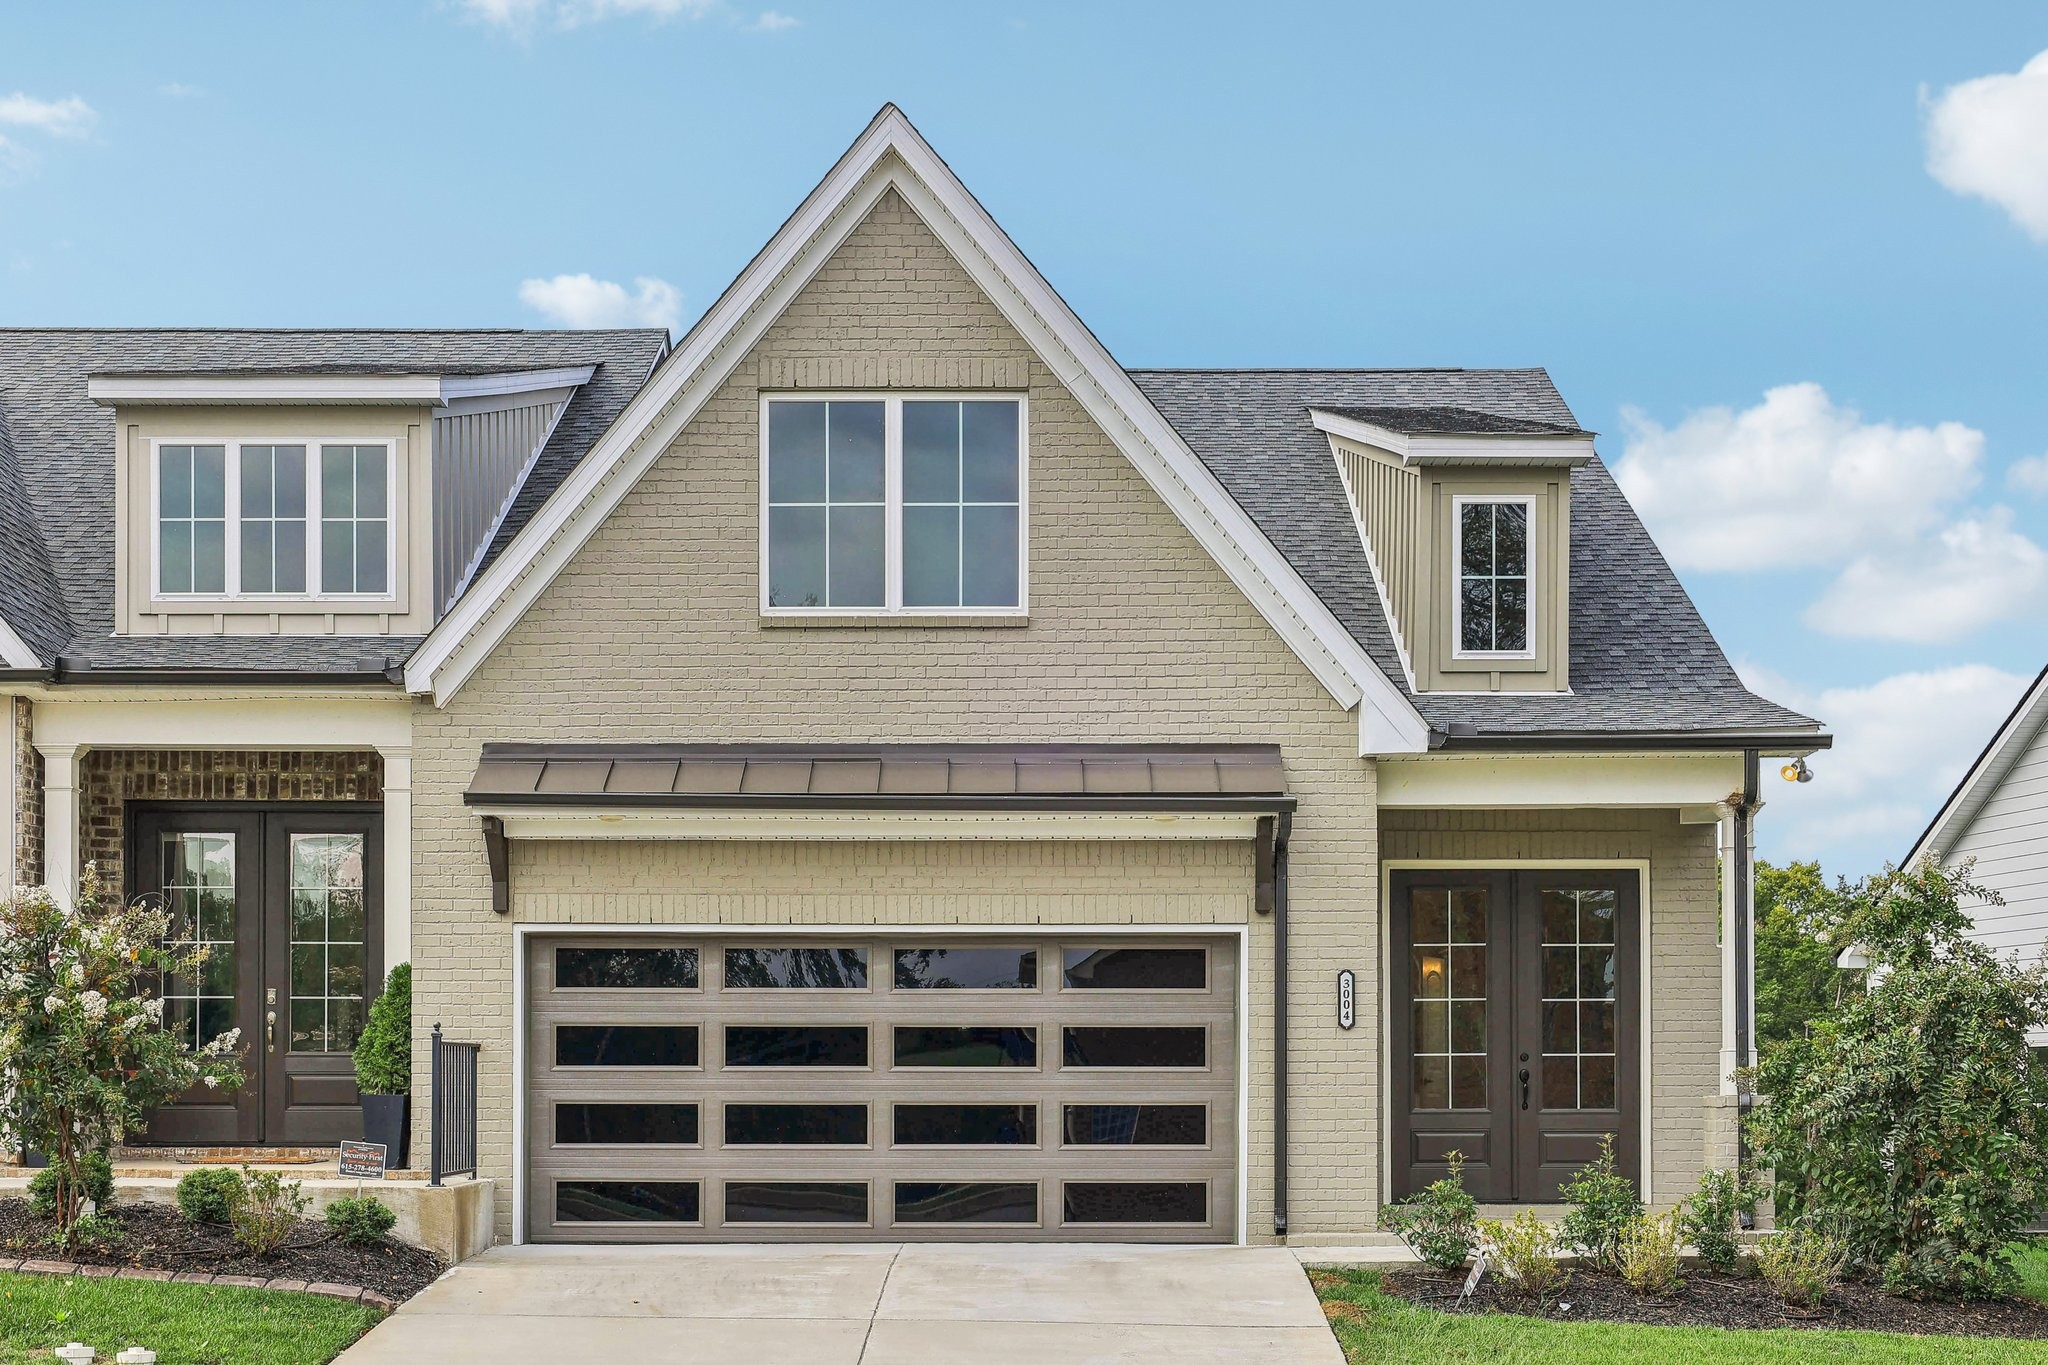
pixel 383 1059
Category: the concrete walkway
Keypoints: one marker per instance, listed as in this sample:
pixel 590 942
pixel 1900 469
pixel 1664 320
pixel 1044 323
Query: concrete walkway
pixel 862 1305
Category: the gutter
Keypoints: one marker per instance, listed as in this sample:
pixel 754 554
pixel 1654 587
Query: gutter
pixel 1274 831
pixel 69 673
pixel 1464 738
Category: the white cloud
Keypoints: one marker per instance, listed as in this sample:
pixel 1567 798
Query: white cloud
pixel 1794 481
pixel 1971 574
pixel 2028 475
pixel 774 21
pixel 1988 137
pixel 584 301
pixel 523 15
pixel 71 117
pixel 178 90
pixel 1901 744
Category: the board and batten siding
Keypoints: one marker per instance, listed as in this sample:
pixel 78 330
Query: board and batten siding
pixel 2008 838
pixel 480 459
pixel 1386 497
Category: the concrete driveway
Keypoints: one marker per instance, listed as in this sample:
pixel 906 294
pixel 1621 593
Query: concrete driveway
pixel 862 1305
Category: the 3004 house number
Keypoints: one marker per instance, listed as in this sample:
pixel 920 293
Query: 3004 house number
pixel 1347 999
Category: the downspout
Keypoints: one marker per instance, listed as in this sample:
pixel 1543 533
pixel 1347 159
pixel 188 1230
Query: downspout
pixel 1272 899
pixel 1745 953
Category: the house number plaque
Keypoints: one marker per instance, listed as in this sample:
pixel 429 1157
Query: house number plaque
pixel 1347 999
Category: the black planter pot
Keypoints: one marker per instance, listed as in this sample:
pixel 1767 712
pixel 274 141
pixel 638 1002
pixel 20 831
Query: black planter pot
pixel 387 1119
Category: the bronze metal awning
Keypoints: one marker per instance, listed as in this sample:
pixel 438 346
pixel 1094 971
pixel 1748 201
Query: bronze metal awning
pixel 1191 777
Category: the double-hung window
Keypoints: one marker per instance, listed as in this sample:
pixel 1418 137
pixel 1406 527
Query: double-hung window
pixel 894 505
pixel 1494 604
pixel 273 519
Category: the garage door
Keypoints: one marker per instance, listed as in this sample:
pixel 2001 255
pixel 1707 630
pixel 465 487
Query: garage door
pixel 881 1088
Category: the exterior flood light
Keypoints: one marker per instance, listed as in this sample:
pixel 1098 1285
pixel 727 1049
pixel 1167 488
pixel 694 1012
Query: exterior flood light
pixel 1796 771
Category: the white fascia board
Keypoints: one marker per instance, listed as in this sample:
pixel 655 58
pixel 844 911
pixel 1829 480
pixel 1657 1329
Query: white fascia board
pixel 14 651
pixel 1563 451
pixel 425 389
pixel 1503 781
pixel 1953 820
pixel 753 302
pixel 580 823
pixel 226 722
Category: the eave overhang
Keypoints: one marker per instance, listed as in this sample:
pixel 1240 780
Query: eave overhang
pixel 322 389
pixel 1462 448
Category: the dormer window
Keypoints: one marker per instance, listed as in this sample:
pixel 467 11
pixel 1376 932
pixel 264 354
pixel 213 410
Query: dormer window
pixel 304 520
pixel 1493 604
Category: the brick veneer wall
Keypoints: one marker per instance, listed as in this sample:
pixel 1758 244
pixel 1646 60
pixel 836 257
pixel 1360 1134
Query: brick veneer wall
pixel 110 778
pixel 27 778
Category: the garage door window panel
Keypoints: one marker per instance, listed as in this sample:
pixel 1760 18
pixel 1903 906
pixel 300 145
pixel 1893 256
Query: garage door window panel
pixel 816 969
pixel 660 1125
pixel 966 969
pixel 636 969
pixel 804 1125
pixel 626 1045
pixel 1135 969
pixel 628 1201
pixel 1135 1048
pixel 966 1202
pixel 796 1201
pixel 966 1125
pixel 843 1046
pixel 966 1046
pixel 1132 1201
pixel 1136 1125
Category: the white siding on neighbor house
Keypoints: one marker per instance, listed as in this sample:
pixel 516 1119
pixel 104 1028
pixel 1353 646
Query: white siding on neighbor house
pixel 2008 837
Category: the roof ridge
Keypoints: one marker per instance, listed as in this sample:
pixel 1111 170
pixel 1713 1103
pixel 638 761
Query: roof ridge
pixel 1334 369
pixel 24 329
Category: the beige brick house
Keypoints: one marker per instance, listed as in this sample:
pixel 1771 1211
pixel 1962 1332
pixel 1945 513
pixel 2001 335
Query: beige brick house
pixel 881 769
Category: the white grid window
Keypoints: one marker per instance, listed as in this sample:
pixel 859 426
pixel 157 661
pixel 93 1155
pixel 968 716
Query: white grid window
pixel 192 519
pixel 355 519
pixel 1494 605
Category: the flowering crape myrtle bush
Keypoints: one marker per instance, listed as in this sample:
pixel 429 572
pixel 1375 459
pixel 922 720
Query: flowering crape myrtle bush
pixel 83 1051
pixel 1911 1118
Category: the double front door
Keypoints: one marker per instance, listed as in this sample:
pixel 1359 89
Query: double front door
pixel 1515 1027
pixel 286 901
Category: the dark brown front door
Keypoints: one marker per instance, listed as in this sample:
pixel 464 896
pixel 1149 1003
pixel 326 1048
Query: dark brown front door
pixel 1514 1033
pixel 287 900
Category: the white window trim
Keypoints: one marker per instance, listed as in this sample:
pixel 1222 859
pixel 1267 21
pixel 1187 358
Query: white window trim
pixel 1459 502
pixel 892 494
pixel 233 446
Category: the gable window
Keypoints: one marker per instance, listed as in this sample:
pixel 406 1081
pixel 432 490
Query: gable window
pixel 894 505
pixel 273 519
pixel 1494 606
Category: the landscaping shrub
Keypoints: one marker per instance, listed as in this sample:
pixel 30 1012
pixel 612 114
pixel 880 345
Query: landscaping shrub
pixel 209 1194
pixel 1647 1253
pixel 1909 1119
pixel 267 1211
pixel 1802 1264
pixel 1603 1205
pixel 1712 1216
pixel 96 1182
pixel 383 1054
pixel 1525 1249
pixel 1439 1223
pixel 360 1221
pixel 82 1055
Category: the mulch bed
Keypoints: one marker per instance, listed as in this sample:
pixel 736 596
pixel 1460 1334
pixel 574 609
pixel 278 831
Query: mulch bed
pixel 1707 1299
pixel 158 1238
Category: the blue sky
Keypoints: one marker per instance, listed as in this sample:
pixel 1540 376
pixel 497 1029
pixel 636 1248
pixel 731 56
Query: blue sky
pixel 1790 261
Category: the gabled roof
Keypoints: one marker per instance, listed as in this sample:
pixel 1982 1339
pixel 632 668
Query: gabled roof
pixel 57 587
pixel 2007 745
pixel 1642 660
pixel 890 154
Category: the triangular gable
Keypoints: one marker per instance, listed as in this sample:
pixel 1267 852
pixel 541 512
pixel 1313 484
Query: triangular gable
pixel 891 154
pixel 14 652
pixel 2013 738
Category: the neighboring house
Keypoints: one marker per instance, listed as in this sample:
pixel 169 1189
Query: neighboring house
pixel 885 770
pixel 1997 818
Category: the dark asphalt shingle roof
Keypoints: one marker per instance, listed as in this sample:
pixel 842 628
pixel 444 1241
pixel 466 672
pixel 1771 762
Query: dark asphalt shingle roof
pixel 63 446
pixel 1642 659
pixel 1446 421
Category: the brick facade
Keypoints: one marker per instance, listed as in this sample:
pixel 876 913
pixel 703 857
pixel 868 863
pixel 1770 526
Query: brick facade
pixel 109 779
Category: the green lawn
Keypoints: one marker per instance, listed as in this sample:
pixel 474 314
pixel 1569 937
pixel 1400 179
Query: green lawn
pixel 185 1324
pixel 1373 1326
pixel 2031 1258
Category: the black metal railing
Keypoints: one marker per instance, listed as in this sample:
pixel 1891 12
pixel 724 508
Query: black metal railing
pixel 453 1126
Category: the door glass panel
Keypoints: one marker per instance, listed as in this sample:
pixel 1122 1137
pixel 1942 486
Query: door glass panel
pixel 626 1201
pixel 796 1045
pixel 796 968
pixel 1578 998
pixel 966 969
pixel 1136 1125
pixel 948 1046
pixel 329 954
pixel 966 1125
pixel 815 1125
pixel 199 892
pixel 959 1202
pixel 1176 1201
pixel 1447 978
pixel 795 1201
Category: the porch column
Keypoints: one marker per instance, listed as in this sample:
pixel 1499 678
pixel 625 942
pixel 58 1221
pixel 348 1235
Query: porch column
pixel 1730 904
pixel 397 855
pixel 60 819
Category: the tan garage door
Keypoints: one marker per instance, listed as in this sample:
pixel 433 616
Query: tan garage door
pixel 881 1088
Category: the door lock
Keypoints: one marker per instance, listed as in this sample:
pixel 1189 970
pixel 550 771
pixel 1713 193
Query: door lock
pixel 270 1043
pixel 1524 1077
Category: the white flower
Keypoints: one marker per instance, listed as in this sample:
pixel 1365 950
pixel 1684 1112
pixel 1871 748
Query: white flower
pixel 77 974
pixel 212 1084
pixel 95 1005
pixel 50 1004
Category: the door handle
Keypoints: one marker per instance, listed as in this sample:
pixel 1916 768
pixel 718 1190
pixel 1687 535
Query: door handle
pixel 270 1044
pixel 1525 1087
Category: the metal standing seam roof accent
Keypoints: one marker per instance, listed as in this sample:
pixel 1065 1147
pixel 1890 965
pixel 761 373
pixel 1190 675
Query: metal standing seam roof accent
pixel 900 776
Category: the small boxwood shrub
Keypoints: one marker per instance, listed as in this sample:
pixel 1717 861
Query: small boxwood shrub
pixel 360 1221
pixel 1525 1249
pixel 1648 1253
pixel 383 1054
pixel 209 1194
pixel 1712 1215
pixel 270 1207
pixel 1604 1205
pixel 1439 1224
pixel 98 1177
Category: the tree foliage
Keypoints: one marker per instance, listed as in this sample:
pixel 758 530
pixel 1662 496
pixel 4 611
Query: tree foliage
pixel 1910 1118
pixel 1798 936
pixel 83 1054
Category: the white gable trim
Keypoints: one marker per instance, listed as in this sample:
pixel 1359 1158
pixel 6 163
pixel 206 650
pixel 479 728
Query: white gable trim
pixel 1477 448
pixel 14 652
pixel 425 389
pixel 1981 782
pixel 891 154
